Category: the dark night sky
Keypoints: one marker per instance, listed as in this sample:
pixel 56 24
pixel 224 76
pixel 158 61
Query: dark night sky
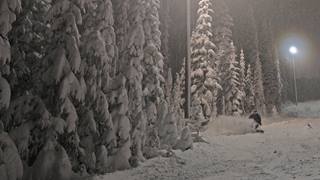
pixel 303 19
pixel 296 22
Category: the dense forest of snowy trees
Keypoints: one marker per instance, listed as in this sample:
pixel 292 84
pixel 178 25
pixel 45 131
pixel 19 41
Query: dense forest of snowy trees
pixel 91 87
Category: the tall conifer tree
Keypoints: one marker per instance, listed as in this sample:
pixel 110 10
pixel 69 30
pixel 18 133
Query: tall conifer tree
pixel 204 82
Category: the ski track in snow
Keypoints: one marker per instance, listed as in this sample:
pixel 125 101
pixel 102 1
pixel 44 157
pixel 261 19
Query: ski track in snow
pixel 287 150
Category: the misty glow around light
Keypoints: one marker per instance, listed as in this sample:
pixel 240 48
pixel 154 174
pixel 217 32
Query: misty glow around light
pixel 304 46
pixel 293 50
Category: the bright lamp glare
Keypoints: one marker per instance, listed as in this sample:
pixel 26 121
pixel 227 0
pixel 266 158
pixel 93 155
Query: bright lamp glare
pixel 293 50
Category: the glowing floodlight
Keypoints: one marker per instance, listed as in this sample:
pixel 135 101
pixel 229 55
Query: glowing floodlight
pixel 293 50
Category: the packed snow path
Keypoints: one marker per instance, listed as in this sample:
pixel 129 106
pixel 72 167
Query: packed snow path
pixel 287 150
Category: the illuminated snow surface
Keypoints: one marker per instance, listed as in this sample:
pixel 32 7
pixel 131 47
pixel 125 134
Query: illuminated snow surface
pixel 288 149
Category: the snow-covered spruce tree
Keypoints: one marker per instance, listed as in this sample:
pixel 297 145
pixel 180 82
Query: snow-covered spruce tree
pixel 133 71
pixel 242 76
pixel 8 8
pixel 98 51
pixel 178 102
pixel 63 79
pixel 106 27
pixel 27 119
pixel 11 165
pixel 259 97
pixel 178 99
pixel 153 81
pixel 231 84
pixel 222 29
pixel 197 113
pixel 222 37
pixel 28 40
pixel 51 163
pixel 175 120
pixel 204 82
pixel 250 40
pixel 120 157
pixel 271 80
pixel 249 102
pixel 168 129
pixel 121 25
pixel 29 124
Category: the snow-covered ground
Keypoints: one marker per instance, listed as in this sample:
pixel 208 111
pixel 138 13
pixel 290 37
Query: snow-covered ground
pixel 287 150
pixel 309 109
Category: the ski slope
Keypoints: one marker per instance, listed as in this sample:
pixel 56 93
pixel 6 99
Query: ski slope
pixel 287 150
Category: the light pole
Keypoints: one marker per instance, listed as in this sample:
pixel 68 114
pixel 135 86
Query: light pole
pixel 188 64
pixel 293 50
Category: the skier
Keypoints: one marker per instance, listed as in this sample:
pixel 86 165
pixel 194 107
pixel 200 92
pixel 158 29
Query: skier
pixel 257 121
pixel 256 117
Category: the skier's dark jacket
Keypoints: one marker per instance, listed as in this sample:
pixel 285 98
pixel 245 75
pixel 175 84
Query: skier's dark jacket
pixel 256 117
